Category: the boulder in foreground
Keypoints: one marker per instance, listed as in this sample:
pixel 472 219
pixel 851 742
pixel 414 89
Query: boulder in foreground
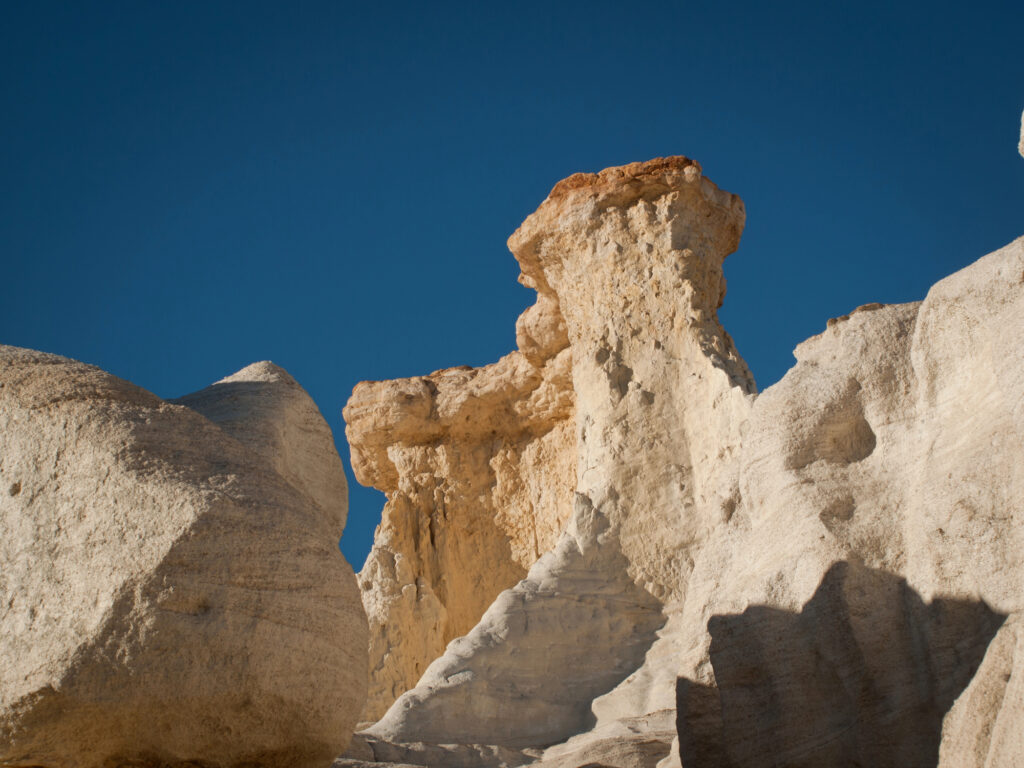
pixel 169 593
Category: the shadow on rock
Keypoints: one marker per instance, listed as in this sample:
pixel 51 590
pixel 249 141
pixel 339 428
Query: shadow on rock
pixel 862 676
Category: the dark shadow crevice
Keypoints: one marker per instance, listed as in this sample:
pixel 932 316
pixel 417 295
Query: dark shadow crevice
pixel 862 676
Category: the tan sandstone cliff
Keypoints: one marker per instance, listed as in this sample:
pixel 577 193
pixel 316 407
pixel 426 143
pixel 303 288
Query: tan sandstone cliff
pixel 631 261
pixel 478 470
pixel 811 576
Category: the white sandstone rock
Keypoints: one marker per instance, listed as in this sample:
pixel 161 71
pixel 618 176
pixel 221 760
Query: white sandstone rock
pixel 478 471
pixel 985 728
pixel 894 447
pixel 264 408
pixel 518 679
pixel 632 258
pixel 827 563
pixel 165 594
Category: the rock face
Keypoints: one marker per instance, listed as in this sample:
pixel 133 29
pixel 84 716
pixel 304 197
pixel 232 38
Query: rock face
pixel 809 576
pixel 516 679
pixel 264 408
pixel 630 261
pixel 894 444
pixel 478 470
pixel 862 675
pixel 983 728
pixel 634 255
pixel 171 590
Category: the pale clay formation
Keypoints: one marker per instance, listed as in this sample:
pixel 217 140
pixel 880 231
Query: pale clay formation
pixel 266 409
pixel 870 502
pixel 171 589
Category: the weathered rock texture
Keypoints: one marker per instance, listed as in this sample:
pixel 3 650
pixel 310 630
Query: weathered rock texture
pixel 478 469
pixel 862 675
pixel 894 443
pixel 264 408
pixel 984 728
pixel 517 679
pixel 634 255
pixel 171 590
pixel 811 576
pixel 631 261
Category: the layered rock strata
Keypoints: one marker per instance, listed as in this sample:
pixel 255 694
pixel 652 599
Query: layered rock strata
pixel 171 589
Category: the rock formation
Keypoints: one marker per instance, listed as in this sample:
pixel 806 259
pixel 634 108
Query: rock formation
pixel 862 675
pixel 605 549
pixel 264 408
pixel 894 443
pixel 809 576
pixel 171 588
pixel 631 261
pixel 478 470
pixel 983 729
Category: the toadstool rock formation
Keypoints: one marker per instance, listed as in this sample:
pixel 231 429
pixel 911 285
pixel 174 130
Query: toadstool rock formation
pixel 171 590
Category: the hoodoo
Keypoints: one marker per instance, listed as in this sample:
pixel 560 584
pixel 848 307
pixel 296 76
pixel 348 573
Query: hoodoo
pixel 627 265
pixel 695 574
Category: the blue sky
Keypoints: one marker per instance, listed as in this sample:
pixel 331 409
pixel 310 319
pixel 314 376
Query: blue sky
pixel 186 188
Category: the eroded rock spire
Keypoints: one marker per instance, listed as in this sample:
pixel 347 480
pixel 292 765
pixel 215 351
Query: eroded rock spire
pixel 625 394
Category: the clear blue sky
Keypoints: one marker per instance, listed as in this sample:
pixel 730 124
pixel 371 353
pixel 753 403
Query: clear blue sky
pixel 188 187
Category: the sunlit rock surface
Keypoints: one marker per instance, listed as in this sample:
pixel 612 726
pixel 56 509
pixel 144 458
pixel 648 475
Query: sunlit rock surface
pixel 631 259
pixel 605 549
pixel 171 590
pixel 478 470
pixel 865 511
pixel 1020 147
